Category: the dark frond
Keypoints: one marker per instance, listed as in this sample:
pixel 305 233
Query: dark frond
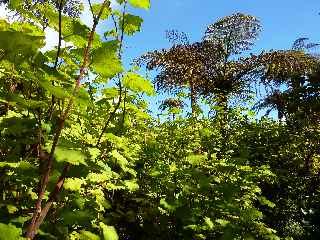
pixel 171 103
pixel 176 37
pixel 301 44
pixel 236 33
pixel 281 66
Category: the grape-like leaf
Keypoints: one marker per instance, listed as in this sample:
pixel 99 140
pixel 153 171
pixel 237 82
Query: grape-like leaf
pixel 140 3
pixel 137 83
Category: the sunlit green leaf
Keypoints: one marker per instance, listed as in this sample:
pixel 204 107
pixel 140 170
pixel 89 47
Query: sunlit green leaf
pixel 105 60
pixel 10 232
pixel 132 24
pixel 109 232
pixel 64 154
pixel 73 184
pixel 86 235
pixel 137 83
pixel 140 3
pixel 96 9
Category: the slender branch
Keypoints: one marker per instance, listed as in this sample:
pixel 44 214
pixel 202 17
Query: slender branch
pixel 53 196
pixel 122 29
pixel 38 215
pixel 57 57
pixel 110 117
pixel 124 107
pixel 91 9
pixel 119 76
pixel 114 22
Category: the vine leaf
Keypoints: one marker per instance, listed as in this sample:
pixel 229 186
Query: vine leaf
pixel 23 38
pixel 75 157
pixel 132 24
pixel 137 83
pixel 110 93
pixel 96 8
pixel 10 232
pixel 105 60
pixel 58 92
pixel 88 235
pixel 73 184
pixel 145 4
pixel 109 232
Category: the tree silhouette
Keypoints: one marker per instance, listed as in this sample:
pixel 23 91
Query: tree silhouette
pixel 295 69
pixel 206 67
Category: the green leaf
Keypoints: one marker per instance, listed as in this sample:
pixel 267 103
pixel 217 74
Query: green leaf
pixel 11 208
pixel 58 92
pixel 94 153
pixel 73 184
pixel 10 232
pixel 19 101
pixel 21 165
pixel 105 60
pixel 86 235
pixel 140 3
pixel 131 185
pixel 15 4
pixel 196 159
pixel 222 222
pixel 76 32
pixel 173 167
pixel 110 93
pixel 96 9
pixel 251 214
pixel 70 217
pixel 208 222
pixel 83 98
pixel 137 83
pixel 73 30
pixel 20 40
pixel 132 24
pixel 100 199
pixel 99 177
pixel 47 235
pixel 109 232
pixel 264 201
pixel 122 161
pixel 21 219
pixel 75 157
pixel 171 207
pixel 9 164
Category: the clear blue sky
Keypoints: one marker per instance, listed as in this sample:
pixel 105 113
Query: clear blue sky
pixel 283 21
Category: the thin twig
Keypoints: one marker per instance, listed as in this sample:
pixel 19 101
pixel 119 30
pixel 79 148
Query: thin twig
pixel 119 75
pixel 57 58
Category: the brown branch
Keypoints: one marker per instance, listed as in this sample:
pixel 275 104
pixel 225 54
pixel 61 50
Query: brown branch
pixel 39 214
pixel 57 57
pixel 91 9
pixel 119 77
pixel 122 29
pixel 53 196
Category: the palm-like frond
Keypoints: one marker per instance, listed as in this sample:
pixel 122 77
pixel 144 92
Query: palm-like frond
pixel 281 66
pixel 301 44
pixel 236 33
pixel 171 103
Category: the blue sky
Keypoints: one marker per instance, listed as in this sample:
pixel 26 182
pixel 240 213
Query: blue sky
pixel 283 21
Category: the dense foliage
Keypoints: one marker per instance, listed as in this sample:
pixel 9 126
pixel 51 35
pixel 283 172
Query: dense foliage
pixel 81 157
